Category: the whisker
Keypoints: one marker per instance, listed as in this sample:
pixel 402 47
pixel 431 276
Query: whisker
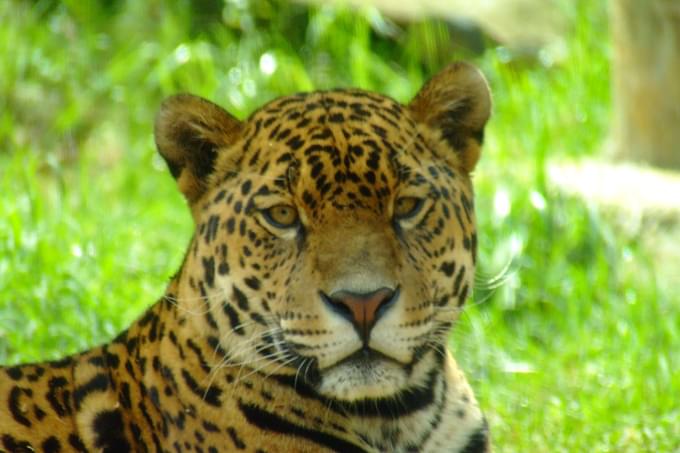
pixel 495 281
pixel 227 361
pixel 240 378
pixel 235 329
pixel 281 365
pixel 297 373
pixel 246 347
pixel 180 302
pixel 218 294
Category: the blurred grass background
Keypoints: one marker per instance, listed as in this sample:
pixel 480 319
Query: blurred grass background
pixel 572 348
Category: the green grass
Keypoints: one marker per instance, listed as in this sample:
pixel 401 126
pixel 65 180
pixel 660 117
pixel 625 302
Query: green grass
pixel 572 350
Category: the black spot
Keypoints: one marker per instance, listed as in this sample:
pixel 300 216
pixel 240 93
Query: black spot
pixel 316 170
pixel 153 328
pixel 76 443
pixel 209 271
pixel 155 397
pixel 283 135
pixel 15 445
pixel 252 282
pixel 110 432
pixel 14 373
pixel 241 299
pixel 474 248
pixel 213 224
pixel 112 360
pixel 210 320
pixel 99 383
pixel 210 395
pixel 238 443
pixel 36 374
pixel 458 281
pixel 59 396
pixel 304 122
pixel 97 361
pixel 245 187
pixel 274 131
pixel 124 396
pixel 210 427
pixel 295 142
pixel 220 196
pixel 478 441
pixel 258 319
pixel 379 130
pixel 234 320
pixel 156 363
pixel 365 191
pixel 336 118
pixel 448 268
pixel 230 225
pixel 356 150
pixel 462 297
pixel 39 413
pixel 199 355
pixel 51 445
pixel 147 318
pixel 15 406
pixel 268 122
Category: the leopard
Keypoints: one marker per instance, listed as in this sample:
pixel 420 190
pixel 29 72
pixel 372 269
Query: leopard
pixel 334 248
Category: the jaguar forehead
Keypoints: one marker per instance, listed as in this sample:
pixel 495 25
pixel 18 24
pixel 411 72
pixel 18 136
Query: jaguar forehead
pixel 337 146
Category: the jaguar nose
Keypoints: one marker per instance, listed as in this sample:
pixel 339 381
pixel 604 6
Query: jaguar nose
pixel 362 309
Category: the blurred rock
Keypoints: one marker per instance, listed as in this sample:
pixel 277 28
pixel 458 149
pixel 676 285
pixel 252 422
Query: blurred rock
pixel 643 201
pixel 524 26
pixel 642 193
pixel 646 87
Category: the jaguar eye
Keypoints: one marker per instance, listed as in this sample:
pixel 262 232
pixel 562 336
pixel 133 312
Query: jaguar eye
pixel 406 207
pixel 281 216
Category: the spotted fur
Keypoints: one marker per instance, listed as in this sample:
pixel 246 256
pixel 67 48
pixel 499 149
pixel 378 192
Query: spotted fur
pixel 334 248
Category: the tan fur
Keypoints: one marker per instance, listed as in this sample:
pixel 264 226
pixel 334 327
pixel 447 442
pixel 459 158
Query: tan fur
pixel 252 347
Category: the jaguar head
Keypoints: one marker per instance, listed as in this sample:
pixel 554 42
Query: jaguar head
pixel 335 231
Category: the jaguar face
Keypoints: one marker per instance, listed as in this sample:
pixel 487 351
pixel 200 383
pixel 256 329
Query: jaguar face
pixel 335 235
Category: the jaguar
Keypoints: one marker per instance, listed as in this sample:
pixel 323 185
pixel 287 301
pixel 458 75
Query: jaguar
pixel 333 251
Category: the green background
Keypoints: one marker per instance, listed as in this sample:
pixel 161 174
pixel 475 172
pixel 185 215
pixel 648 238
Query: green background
pixel 571 338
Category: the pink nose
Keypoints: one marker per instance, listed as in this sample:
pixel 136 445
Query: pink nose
pixel 362 310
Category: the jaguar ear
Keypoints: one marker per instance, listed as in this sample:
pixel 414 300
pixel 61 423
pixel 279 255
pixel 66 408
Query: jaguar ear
pixel 190 132
pixel 456 103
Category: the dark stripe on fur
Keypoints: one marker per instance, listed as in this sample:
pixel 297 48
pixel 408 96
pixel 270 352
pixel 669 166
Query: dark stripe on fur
pixel 110 432
pixel 99 383
pixel 402 404
pixel 272 422
pixel 479 440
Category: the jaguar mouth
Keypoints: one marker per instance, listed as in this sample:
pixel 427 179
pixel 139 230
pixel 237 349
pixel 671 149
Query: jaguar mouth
pixel 365 374
pixel 363 359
